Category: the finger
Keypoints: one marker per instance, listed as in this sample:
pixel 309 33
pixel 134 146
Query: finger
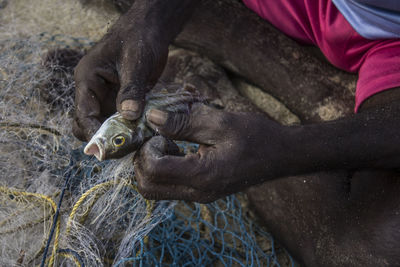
pixel 78 131
pixel 141 66
pixel 87 111
pixel 151 189
pixel 88 126
pixel 160 167
pixel 132 109
pixel 202 124
pixel 91 90
pixel 156 191
pixel 159 146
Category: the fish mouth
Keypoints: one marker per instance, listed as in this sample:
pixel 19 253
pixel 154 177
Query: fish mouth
pixel 95 148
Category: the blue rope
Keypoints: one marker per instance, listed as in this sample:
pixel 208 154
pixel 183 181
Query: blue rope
pixel 55 218
pixel 184 238
pixel 74 253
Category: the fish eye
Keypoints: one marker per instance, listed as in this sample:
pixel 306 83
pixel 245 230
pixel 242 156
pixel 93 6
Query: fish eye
pixel 119 141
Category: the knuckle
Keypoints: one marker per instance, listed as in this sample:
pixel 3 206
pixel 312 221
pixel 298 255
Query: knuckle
pixel 131 91
pixel 215 123
pixel 88 63
pixel 178 124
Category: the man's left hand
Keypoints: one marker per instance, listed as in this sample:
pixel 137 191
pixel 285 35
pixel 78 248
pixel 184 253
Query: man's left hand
pixel 236 151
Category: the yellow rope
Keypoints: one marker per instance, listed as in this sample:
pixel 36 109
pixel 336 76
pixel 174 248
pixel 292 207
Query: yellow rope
pixel 82 198
pixel 19 127
pixel 40 128
pixel 20 196
pixel 16 213
pixel 71 257
pixel 27 225
pixel 105 185
pixel 24 226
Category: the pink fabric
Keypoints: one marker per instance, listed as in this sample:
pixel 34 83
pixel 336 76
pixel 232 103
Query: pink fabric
pixel 318 22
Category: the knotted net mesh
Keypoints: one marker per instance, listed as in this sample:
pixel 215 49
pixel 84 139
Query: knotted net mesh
pixel 63 208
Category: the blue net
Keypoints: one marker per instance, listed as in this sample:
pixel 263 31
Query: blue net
pixel 113 225
pixel 221 233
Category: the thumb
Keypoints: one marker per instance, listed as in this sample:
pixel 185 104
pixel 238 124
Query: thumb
pixel 134 84
pixel 130 102
pixel 139 71
pixel 201 125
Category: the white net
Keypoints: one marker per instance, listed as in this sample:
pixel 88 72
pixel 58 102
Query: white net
pixel 102 219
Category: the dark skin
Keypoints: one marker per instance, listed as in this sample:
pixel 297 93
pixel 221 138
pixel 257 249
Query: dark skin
pixel 237 150
pixel 126 63
pixel 241 150
pixel 119 70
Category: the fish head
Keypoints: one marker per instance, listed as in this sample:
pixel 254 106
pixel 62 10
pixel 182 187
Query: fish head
pixel 115 138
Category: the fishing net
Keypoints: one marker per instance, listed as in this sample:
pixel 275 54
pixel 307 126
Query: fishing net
pixel 60 207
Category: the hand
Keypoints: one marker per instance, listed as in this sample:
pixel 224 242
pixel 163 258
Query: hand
pixel 117 72
pixel 115 75
pixel 236 151
pixel 240 150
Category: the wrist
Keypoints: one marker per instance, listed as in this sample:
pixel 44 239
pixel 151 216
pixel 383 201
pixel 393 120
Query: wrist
pixel 293 150
pixel 305 150
pixel 359 141
pixel 157 19
pixel 287 150
pixel 269 149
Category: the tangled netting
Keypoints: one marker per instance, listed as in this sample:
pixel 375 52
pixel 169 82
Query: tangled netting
pixel 59 207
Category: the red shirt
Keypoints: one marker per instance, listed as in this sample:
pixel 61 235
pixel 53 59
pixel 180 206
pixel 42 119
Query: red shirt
pixel 319 22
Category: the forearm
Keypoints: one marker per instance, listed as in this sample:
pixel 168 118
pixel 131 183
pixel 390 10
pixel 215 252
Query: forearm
pixel 369 139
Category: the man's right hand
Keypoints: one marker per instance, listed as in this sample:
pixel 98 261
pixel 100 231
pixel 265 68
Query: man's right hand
pixel 118 71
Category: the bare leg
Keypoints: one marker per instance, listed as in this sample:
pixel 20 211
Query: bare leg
pixel 324 219
pixel 236 38
pixel 325 223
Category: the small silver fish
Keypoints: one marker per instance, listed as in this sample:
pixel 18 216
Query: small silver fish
pixel 118 137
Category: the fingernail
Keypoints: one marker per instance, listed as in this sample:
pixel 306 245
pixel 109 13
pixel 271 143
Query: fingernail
pixel 130 115
pixel 157 117
pixel 130 109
